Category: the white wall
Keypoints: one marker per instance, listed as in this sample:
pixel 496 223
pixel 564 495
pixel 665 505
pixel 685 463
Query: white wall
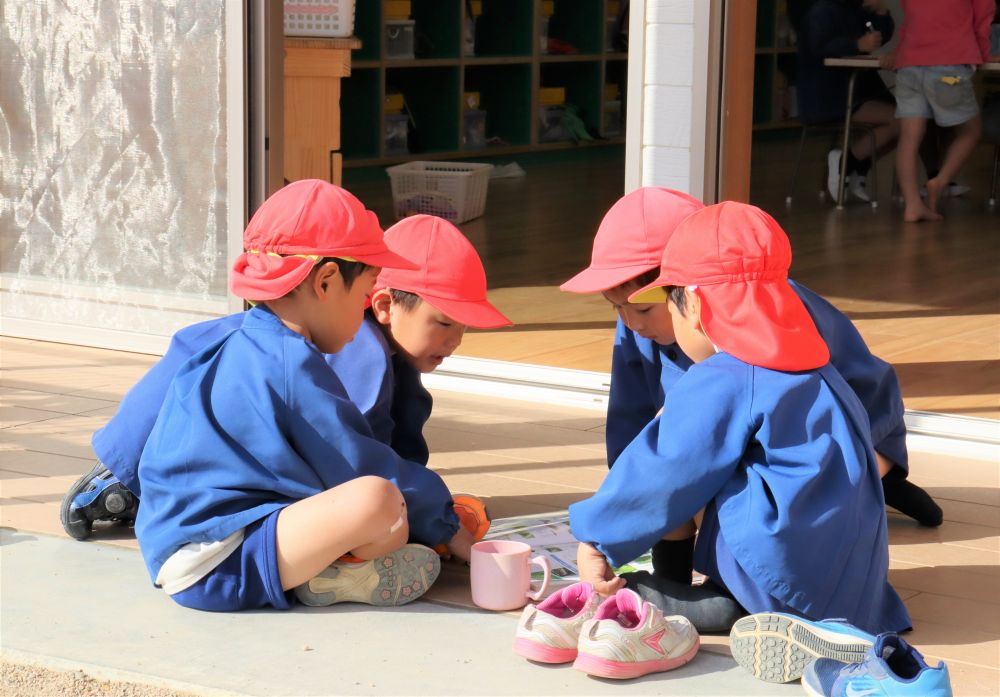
pixel 667 94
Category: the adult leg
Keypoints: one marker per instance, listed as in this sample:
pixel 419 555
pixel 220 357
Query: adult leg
pixel 966 137
pixel 365 516
pixel 911 132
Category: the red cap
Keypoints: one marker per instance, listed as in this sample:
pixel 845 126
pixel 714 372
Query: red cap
pixel 298 225
pixel 738 257
pixel 450 276
pixel 631 238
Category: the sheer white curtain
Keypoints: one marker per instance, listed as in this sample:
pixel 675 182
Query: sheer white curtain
pixel 116 167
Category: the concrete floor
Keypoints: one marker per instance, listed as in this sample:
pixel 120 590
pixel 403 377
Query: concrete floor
pixel 90 605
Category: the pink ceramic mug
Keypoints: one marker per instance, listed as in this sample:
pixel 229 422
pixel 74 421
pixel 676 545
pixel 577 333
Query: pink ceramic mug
pixel 501 574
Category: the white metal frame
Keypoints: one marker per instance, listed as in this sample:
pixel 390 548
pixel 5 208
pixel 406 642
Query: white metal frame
pixel 236 135
pixel 948 434
pixel 636 94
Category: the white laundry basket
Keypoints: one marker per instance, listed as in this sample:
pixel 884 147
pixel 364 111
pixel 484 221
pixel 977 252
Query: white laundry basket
pixel 455 191
pixel 330 18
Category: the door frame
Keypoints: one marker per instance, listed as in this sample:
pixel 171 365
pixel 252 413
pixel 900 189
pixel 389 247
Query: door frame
pixel 724 35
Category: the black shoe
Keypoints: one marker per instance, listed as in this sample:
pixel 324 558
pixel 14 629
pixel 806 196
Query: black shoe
pixel 97 495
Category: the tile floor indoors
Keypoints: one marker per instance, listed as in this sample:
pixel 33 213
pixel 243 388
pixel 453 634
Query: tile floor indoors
pixel 522 458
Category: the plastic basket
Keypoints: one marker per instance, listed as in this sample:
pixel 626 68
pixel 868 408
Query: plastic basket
pixel 330 18
pixel 455 191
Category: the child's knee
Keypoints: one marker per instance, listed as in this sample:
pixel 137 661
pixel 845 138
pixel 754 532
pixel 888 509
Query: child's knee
pixel 380 501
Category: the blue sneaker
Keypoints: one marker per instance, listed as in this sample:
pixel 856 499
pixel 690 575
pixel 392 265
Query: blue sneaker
pixel 892 668
pixel 97 495
pixel 776 647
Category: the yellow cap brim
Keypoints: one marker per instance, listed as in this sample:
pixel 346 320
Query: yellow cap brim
pixel 649 294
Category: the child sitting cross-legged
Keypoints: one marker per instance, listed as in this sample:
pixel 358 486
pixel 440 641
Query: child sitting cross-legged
pixel 260 474
pixel 379 368
pixel 761 433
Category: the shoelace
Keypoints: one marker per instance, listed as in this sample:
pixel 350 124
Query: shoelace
pixel 853 668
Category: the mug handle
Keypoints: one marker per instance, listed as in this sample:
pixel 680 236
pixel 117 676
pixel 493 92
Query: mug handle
pixel 547 568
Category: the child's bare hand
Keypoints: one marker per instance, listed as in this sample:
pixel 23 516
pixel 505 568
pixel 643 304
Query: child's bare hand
pixel 594 568
pixel 461 544
pixel 887 61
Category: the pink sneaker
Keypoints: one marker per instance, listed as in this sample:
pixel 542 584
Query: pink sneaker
pixel 548 632
pixel 628 637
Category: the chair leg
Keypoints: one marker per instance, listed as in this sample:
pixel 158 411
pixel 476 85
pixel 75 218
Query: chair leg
pixel 996 171
pixel 874 178
pixel 795 171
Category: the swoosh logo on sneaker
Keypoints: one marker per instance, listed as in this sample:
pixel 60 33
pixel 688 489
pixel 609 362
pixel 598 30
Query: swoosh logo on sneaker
pixel 853 691
pixel 653 641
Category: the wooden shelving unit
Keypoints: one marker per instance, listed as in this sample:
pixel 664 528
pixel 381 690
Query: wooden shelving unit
pixel 507 70
pixel 775 61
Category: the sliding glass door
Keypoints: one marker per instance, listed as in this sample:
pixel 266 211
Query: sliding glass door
pixel 122 180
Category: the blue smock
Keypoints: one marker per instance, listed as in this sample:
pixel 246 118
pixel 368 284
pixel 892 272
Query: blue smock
pixel 642 372
pixel 385 388
pixel 253 423
pixel 787 459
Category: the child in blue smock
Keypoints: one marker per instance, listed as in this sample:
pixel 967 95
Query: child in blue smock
pixel 381 380
pixel 260 474
pixel 647 362
pixel 762 433
pixel 423 314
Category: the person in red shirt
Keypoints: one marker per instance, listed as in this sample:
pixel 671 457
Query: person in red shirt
pixel 940 43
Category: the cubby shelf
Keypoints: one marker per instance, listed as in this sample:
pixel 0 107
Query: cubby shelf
pixel 775 63
pixel 508 68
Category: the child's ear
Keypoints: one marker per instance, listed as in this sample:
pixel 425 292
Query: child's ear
pixel 382 305
pixel 693 301
pixel 326 275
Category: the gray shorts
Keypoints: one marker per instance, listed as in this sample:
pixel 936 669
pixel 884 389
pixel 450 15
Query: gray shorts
pixel 941 92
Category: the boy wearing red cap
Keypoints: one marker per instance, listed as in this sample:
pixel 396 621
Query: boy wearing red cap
pixel 647 362
pixel 260 473
pixel 422 315
pixel 380 373
pixel 762 432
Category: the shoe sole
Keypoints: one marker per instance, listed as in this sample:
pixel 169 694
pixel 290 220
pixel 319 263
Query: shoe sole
pixel 394 579
pixel 541 653
pixel 776 648
pixel 621 670
pixel 81 526
pixel 808 689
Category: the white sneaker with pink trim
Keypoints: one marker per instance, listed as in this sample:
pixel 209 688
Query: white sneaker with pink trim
pixel 548 632
pixel 629 637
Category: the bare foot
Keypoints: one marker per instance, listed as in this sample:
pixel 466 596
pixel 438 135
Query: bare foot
pixel 915 214
pixel 934 188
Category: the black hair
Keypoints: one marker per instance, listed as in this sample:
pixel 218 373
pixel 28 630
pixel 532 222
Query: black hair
pixel 677 296
pixel 349 270
pixel 405 299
